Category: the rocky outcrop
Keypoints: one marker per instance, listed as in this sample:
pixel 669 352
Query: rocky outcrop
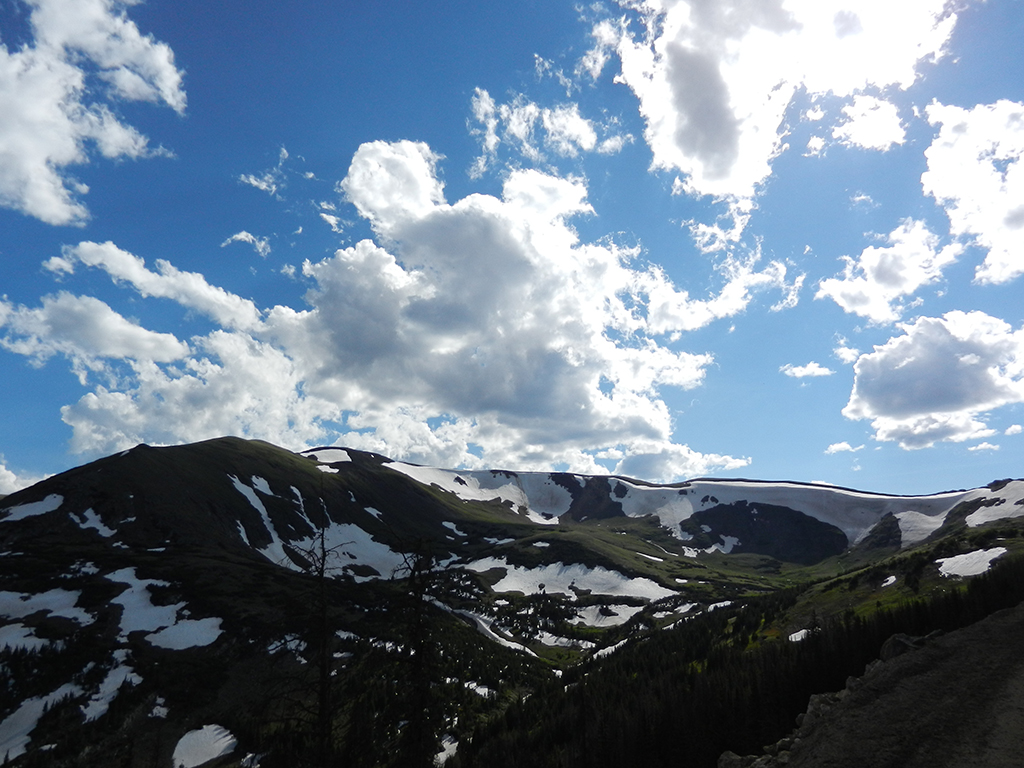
pixel 955 700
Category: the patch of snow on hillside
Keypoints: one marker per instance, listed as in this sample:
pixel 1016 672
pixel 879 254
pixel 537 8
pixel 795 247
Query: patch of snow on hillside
pixel 202 746
pixel 669 505
pixel 274 551
pixel 188 633
pixel 609 650
pixel 327 470
pixel 58 602
pixel 543 498
pixel 15 729
pixel 591 615
pixel 557 641
pixel 352 545
pixel 853 512
pixel 329 455
pixel 484 624
pixel 889 581
pixel 497 542
pixel 118 675
pixel 90 519
pixel 139 612
pixel 19 636
pixel 652 557
pixel 261 485
pixel 799 635
pixel 915 526
pixel 33 508
pixel 558 577
pixel 969 564
pixel 448 746
pixel 727 545
pixel 1011 504
pixel 453 528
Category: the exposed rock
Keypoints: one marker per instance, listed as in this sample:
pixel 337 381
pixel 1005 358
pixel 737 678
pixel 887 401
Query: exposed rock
pixel 958 700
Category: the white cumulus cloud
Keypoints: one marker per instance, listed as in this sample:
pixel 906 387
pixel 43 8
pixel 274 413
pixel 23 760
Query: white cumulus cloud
pixel 715 79
pixel 983 447
pixel 479 332
pixel 975 173
pixel 83 329
pixel 260 244
pixel 187 288
pixel 937 380
pixel 531 130
pixel 54 107
pixel 812 369
pixel 11 481
pixel 873 285
pixel 843 447
pixel 872 123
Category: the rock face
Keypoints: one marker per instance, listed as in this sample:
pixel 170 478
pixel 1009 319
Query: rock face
pixel 938 702
pixel 768 529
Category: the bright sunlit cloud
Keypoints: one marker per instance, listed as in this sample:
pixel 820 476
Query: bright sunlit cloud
pixel 59 95
pixel 570 237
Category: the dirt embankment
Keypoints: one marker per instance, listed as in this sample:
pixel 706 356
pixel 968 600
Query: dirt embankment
pixel 958 701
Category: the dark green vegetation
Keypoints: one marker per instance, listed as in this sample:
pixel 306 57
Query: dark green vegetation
pixel 357 627
pixel 683 696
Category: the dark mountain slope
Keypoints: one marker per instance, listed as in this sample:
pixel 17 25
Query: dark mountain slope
pixel 339 602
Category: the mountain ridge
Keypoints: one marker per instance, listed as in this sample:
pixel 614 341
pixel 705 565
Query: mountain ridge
pixel 141 566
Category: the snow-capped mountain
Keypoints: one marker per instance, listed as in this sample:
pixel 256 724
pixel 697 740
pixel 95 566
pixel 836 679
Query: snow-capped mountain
pixel 142 594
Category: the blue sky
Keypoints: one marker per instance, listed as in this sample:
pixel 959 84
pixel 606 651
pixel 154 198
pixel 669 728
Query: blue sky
pixel 780 239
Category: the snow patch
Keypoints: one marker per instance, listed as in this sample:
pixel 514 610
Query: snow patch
pixel 448 748
pixel 33 508
pixel 119 674
pixel 453 528
pixel 796 637
pixel 329 455
pixel 352 545
pixel 542 498
pixel 483 624
pixel 160 621
pixel 889 581
pixel 969 564
pixel 198 747
pixel 559 577
pixel 90 519
pixel 497 542
pixel 274 551
pixel 727 545
pixel 609 650
pixel 58 602
pixel 592 615
pixel 916 526
pixel 138 612
pixel 1012 505
pixel 15 729
pixel 189 633
pixel 19 636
